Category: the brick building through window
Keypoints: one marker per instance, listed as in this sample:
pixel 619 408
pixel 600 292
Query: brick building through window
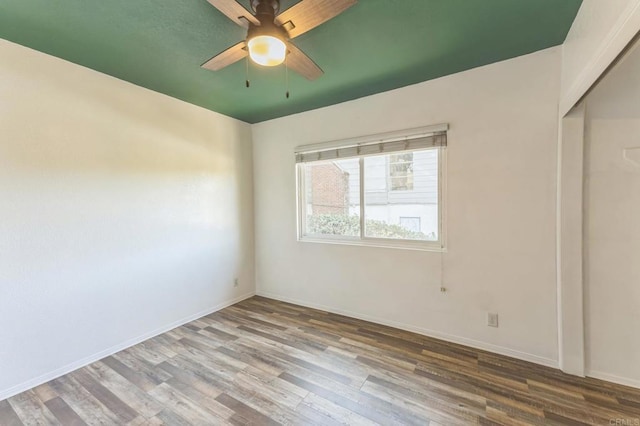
pixel 329 189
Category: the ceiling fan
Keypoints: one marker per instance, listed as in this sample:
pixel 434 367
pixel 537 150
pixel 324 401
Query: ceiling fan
pixel 269 34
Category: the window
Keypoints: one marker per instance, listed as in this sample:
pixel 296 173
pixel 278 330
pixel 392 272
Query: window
pixel 373 193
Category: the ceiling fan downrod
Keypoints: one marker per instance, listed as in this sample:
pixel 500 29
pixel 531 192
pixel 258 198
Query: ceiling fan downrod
pixel 271 7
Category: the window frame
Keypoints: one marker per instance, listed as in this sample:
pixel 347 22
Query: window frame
pixel 362 239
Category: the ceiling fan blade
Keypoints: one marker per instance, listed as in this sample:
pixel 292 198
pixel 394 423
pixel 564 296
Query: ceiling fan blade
pixel 299 62
pixel 308 14
pixel 235 11
pixel 226 58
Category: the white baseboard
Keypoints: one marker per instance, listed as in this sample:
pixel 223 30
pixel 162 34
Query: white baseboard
pixel 548 362
pixel 634 383
pixel 29 384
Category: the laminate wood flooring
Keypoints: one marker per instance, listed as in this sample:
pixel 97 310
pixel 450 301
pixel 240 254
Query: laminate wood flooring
pixel 264 362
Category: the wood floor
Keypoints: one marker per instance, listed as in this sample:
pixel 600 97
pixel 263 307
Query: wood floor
pixel 263 362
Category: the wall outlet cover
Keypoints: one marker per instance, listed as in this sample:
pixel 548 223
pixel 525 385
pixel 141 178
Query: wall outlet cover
pixel 632 155
pixel 492 319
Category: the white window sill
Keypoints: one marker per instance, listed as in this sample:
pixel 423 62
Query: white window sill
pixel 433 246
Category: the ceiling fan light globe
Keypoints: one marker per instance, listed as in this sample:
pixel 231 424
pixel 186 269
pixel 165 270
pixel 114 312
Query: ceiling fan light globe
pixel 267 50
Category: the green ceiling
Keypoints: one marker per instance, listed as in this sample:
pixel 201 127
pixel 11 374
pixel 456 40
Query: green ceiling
pixel 374 46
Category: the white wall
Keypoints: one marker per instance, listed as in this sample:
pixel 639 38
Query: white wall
pixel 122 212
pixel 599 33
pixel 501 177
pixel 612 224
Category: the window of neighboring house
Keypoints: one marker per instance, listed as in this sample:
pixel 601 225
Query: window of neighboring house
pixel 401 171
pixel 373 193
pixel 410 223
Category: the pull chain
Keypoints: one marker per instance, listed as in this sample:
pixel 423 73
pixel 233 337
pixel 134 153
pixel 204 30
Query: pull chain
pixel 248 83
pixel 286 74
pixel 443 287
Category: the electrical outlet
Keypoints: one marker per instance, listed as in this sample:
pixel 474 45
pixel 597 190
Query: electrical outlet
pixel 492 319
pixel 235 282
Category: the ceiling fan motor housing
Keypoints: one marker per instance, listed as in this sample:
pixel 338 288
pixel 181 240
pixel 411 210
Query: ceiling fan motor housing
pixel 274 5
pixel 265 12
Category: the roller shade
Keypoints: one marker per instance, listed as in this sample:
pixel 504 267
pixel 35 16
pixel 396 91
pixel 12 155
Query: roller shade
pixel 433 140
